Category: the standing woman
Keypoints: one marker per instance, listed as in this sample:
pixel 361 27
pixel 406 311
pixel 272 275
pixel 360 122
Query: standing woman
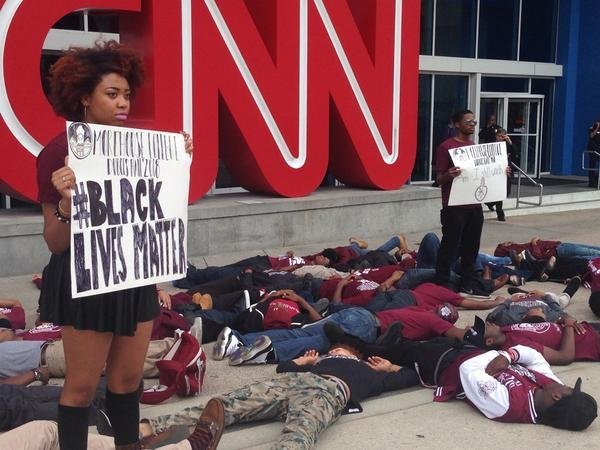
pixel 112 330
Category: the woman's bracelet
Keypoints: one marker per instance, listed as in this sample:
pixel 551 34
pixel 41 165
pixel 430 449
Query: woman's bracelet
pixel 62 211
pixel 60 217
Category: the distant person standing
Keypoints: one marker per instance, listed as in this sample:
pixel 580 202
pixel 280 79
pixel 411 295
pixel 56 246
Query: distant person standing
pixel 461 225
pixel 593 146
pixel 488 134
pixel 512 158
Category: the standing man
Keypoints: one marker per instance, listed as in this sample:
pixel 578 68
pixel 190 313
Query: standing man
pixel 461 225
pixel 593 146
pixel 488 134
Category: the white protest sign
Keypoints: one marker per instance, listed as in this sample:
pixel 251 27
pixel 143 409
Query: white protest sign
pixel 129 207
pixel 482 174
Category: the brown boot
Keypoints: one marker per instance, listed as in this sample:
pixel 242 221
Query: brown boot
pixel 171 435
pixel 203 300
pixel 361 244
pixel 210 426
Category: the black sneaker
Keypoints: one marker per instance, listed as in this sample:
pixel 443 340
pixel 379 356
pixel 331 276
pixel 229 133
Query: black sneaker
pixel 333 332
pixel 572 286
pixel 103 424
pixel 393 334
pixel 515 290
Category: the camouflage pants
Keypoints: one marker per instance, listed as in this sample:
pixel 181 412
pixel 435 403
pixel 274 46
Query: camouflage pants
pixel 306 402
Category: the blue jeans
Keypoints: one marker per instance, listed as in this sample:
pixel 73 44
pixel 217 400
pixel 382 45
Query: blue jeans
pixel 583 251
pixel 428 250
pixel 290 344
pixel 387 246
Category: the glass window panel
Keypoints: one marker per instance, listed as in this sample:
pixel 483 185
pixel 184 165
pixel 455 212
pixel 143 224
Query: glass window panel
pixel 504 84
pixel 498 29
pixel 450 94
pixel 538 30
pixel 423 159
pixel 73 21
pixel 426 27
pixel 103 22
pixel 490 107
pixel 545 87
pixel 455 22
pixel 518 115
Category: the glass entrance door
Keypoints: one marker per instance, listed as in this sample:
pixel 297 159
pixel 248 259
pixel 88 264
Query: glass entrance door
pixel 523 127
pixel 521 117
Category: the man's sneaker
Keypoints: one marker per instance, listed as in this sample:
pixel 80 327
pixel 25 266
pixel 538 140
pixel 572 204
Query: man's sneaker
pixel 515 290
pixel 392 335
pixel 470 292
pixel 321 305
pixel 516 280
pixel 225 344
pixel 572 286
pixel 196 329
pixel 260 352
pixel 516 258
pixel 103 424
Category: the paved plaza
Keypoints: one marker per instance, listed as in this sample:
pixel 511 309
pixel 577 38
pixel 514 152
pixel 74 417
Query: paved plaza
pixel 406 418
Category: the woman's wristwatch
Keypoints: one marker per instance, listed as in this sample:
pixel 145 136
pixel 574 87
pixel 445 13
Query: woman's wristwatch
pixel 38 375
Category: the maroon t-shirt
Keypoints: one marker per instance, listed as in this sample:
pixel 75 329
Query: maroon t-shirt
pixel 443 162
pixel 51 158
pixel 541 250
pixel 378 274
pixel 430 296
pixel 540 335
pixel 419 324
pixel 15 315
pixel 43 332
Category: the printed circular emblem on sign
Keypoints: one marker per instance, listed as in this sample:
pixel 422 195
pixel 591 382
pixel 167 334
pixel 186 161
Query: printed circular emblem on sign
pixel 80 140
pixel 461 154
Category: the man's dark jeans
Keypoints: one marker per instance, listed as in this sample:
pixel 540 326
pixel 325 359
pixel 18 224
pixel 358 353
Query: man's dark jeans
pixel 461 236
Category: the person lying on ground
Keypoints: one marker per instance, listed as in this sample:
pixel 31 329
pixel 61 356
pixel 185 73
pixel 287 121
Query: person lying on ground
pixel 20 403
pixel 516 385
pixel 13 311
pixel 533 306
pixel 272 346
pixel 19 356
pixel 259 263
pixel 427 295
pixel 311 394
pixel 561 343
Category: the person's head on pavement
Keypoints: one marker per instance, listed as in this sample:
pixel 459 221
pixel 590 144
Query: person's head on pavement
pixel 594 303
pixel 7 333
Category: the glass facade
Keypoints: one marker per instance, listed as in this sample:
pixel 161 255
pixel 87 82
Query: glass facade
pixel 439 96
pixel 510 30
pixel 538 30
pixel 455 28
pixel 498 29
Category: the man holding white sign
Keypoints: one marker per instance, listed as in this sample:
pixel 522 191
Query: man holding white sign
pixel 461 222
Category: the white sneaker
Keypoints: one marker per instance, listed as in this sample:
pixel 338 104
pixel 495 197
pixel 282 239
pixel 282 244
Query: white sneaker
pixel 196 329
pixel 225 345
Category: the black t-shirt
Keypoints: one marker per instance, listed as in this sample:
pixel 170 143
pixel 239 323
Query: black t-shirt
pixel 362 381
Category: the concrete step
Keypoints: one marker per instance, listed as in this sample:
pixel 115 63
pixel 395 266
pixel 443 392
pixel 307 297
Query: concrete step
pixel 572 201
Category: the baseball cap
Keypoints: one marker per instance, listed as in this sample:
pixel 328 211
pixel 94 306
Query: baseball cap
pixel 476 335
pixel 5 323
pixel 448 312
pixel 573 412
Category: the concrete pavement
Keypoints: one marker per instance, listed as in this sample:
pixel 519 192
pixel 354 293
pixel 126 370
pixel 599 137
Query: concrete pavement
pixel 406 418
